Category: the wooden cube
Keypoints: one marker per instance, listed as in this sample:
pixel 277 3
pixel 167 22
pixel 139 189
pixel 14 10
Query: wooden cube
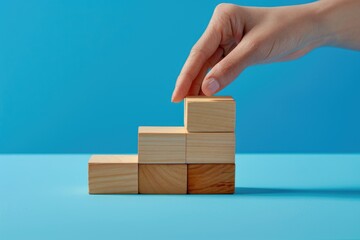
pixel 209 114
pixel 163 178
pixel 162 144
pixel 113 174
pixel 210 148
pixel 211 178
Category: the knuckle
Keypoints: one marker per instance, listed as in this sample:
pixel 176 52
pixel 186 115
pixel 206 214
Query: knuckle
pixel 198 53
pixel 252 45
pixel 188 75
pixel 226 10
pixel 224 14
pixel 223 8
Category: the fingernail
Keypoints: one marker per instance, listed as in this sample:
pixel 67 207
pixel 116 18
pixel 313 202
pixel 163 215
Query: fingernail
pixel 212 85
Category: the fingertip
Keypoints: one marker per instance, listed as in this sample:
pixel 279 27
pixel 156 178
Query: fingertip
pixel 175 98
pixel 180 92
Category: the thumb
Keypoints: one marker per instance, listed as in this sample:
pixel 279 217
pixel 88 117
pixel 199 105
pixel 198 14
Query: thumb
pixel 225 71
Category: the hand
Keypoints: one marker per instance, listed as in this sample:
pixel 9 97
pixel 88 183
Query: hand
pixel 237 37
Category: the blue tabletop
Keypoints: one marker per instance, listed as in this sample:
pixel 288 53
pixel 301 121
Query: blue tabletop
pixel 277 197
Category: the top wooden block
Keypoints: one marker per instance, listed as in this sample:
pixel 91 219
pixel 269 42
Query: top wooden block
pixel 106 159
pixel 209 114
pixel 162 130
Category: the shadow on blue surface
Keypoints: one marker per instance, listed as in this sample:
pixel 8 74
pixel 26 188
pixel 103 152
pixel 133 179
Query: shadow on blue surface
pixel 301 192
pixel 242 192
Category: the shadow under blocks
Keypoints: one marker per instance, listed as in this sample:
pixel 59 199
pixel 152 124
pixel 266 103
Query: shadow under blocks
pixel 353 192
pixel 197 158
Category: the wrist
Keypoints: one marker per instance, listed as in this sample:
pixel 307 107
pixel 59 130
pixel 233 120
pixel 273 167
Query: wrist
pixel 326 29
pixel 338 22
pixel 317 14
pixel 313 26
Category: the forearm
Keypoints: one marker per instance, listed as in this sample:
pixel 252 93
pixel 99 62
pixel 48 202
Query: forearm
pixel 340 22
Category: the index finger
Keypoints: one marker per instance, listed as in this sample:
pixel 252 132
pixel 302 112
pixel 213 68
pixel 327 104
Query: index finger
pixel 204 48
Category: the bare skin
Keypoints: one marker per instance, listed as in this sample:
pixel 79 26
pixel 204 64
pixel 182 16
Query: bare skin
pixel 237 37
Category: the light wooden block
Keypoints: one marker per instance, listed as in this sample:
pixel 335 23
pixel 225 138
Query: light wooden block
pixel 209 114
pixel 113 174
pixel 210 148
pixel 211 178
pixel 163 178
pixel 162 144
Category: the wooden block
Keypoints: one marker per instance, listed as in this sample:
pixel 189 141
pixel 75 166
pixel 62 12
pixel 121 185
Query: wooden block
pixel 209 114
pixel 211 178
pixel 162 144
pixel 163 178
pixel 113 174
pixel 210 148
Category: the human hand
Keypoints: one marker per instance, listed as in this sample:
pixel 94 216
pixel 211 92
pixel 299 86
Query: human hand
pixel 237 37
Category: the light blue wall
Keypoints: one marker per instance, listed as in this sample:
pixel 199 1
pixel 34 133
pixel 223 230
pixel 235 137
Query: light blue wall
pixel 81 76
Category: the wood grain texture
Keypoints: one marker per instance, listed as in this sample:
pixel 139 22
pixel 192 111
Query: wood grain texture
pixel 164 130
pixel 112 174
pixel 120 158
pixel 162 145
pixel 209 114
pixel 210 148
pixel 163 178
pixel 211 178
pixel 208 99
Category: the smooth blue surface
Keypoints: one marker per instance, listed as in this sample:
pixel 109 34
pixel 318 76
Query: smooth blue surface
pixel 277 197
pixel 81 76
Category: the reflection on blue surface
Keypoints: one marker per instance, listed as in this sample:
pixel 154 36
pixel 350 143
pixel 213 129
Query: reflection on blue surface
pixel 277 197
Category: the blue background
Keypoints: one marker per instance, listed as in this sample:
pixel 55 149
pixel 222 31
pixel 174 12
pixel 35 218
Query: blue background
pixel 81 76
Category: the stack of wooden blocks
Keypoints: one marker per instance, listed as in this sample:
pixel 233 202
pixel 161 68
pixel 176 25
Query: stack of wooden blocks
pixel 198 158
